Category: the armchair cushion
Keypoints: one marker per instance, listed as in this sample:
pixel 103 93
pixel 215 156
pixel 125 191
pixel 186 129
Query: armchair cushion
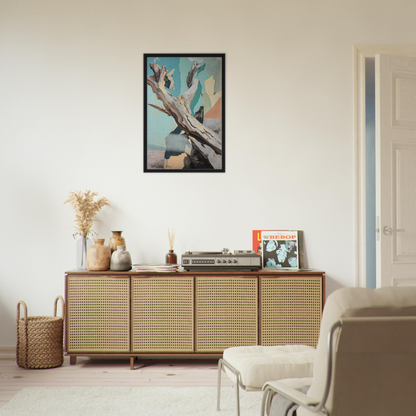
pixel 258 364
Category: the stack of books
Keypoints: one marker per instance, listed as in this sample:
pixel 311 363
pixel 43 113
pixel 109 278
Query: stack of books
pixel 155 267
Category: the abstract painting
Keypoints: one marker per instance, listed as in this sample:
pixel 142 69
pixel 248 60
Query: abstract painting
pixel 184 112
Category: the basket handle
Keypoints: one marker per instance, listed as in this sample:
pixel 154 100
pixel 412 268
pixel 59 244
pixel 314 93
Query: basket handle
pixel 56 306
pixel 24 340
pixel 21 302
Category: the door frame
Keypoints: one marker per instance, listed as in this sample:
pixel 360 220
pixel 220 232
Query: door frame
pixel 360 53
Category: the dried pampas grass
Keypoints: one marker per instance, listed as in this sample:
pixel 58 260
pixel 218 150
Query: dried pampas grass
pixel 85 210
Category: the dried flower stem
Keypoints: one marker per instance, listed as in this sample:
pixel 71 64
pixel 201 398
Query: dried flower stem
pixel 85 210
pixel 171 236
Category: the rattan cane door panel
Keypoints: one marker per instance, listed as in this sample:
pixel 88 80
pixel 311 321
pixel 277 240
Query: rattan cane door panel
pixel 98 314
pixel 226 312
pixel 162 314
pixel 291 309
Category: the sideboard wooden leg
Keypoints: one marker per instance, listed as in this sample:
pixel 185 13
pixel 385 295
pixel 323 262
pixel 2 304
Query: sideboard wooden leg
pixel 131 363
pixel 72 359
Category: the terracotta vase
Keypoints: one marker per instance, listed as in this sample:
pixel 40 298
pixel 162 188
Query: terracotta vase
pixel 121 259
pixel 116 240
pixel 171 258
pixel 98 256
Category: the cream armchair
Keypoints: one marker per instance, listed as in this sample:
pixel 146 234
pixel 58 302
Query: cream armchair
pixel 365 362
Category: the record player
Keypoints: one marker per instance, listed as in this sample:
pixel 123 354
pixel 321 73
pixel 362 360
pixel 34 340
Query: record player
pixel 240 260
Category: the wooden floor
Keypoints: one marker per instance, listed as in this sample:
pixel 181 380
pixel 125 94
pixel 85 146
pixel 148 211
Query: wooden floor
pixel 109 372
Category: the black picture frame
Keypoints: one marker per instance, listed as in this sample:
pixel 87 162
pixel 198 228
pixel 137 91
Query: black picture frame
pixel 184 112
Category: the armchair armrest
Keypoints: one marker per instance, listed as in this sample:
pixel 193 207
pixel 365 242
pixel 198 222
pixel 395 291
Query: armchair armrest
pixel 291 393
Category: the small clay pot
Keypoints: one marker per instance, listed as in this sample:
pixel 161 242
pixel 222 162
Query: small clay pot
pixel 116 240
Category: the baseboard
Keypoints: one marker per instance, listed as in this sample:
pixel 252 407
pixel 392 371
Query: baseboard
pixel 7 352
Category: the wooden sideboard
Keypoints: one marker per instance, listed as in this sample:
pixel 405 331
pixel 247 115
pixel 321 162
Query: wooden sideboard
pixel 189 313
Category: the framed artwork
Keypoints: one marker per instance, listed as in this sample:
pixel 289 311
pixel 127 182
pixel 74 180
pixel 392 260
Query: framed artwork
pixel 184 112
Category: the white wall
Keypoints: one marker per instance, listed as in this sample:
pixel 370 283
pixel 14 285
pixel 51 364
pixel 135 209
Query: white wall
pixel 71 118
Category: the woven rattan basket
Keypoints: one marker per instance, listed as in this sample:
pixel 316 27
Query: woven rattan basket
pixel 40 338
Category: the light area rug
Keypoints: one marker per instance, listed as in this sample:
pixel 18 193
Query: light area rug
pixel 131 401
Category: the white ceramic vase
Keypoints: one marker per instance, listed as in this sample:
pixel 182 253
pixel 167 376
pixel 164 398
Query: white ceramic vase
pixel 121 259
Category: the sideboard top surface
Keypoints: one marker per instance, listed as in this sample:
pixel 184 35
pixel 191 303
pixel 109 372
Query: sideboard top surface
pixel 262 272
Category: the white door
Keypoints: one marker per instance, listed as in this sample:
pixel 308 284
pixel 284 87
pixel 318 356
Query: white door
pixel 396 170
